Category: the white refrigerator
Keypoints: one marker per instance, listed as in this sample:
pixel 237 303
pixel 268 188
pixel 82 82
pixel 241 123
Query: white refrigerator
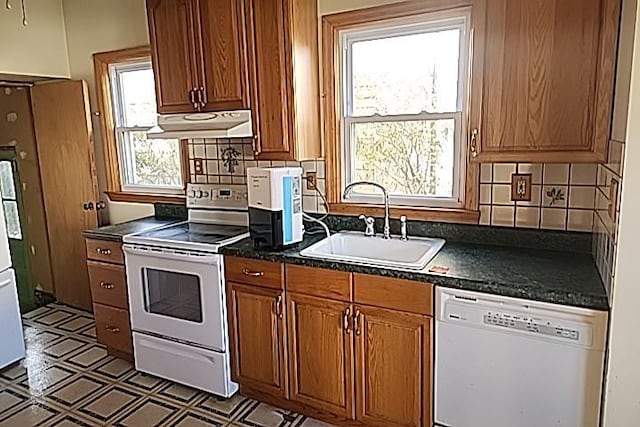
pixel 12 346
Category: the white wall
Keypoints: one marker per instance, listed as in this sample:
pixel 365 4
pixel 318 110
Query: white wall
pixel 39 49
pixel 99 26
pixel 622 398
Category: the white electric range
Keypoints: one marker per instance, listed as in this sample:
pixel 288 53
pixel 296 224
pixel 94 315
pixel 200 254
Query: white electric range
pixel 177 302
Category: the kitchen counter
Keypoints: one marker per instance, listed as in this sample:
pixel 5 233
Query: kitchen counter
pixel 561 277
pixel 116 232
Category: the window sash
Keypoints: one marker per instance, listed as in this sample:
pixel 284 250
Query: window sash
pixel 437 21
pixel 116 71
pixel 127 166
pixel 459 170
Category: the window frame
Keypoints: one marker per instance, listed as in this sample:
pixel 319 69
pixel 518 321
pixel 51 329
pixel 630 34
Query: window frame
pixel 104 63
pixel 375 20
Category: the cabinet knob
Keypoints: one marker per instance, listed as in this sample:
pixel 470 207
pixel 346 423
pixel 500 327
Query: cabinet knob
pixel 101 251
pixel 112 329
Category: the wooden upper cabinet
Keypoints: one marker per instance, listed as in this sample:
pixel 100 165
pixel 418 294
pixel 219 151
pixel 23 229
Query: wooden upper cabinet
pixel 173 54
pixel 284 72
pixel 321 353
pixel 542 79
pixel 199 51
pixel 257 333
pixel 222 49
pixel 393 367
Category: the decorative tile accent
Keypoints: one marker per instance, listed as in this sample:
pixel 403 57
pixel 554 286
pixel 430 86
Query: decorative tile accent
pixel 555 196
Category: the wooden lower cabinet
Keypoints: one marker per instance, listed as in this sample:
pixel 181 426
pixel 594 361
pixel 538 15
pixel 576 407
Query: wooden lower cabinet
pixel 321 353
pixel 257 331
pixel 393 367
pixel 338 351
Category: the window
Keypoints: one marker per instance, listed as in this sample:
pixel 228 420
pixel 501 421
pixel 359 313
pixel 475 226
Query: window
pixel 146 165
pixel 138 169
pixel 401 90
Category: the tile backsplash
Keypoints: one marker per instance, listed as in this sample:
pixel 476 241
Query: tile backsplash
pixel 562 196
pixel 225 161
pixel 607 212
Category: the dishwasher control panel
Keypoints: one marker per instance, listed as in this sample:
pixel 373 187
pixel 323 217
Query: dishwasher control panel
pixel 528 324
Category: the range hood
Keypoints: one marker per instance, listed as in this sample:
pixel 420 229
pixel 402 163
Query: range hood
pixel 224 124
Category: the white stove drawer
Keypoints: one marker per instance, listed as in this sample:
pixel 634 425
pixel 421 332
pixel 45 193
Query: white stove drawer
pixel 192 366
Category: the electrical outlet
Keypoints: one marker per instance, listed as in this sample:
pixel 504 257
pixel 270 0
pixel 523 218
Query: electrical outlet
pixel 197 166
pixel 311 180
pixel 521 187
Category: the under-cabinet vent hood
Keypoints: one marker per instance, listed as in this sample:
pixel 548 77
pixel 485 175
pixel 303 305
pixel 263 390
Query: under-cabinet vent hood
pixel 227 124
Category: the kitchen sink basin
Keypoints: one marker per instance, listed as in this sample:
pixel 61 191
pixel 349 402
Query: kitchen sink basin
pixel 412 254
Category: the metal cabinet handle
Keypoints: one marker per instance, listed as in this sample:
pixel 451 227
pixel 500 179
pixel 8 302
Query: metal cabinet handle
pixel 201 98
pixel 345 320
pixel 192 95
pixel 473 146
pixel 250 273
pixel 112 329
pixel 103 251
pixel 278 306
pixel 356 322
pixel 107 285
pixel 100 205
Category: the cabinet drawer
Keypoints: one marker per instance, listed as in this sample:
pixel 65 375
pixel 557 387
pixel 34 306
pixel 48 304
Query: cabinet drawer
pixel 396 294
pixel 108 284
pixel 112 328
pixel 103 250
pixel 319 282
pixel 254 272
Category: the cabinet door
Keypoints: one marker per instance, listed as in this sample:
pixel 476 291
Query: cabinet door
pixel 257 327
pixel 222 49
pixel 393 367
pixel 171 24
pixel 270 73
pixel 320 351
pixel 542 85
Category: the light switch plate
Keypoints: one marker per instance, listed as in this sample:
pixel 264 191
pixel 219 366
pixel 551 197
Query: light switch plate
pixel 521 187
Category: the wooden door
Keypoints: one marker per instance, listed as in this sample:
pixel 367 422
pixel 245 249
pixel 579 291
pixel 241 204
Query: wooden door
pixel 393 367
pixel 222 49
pixel 173 40
pixel 543 77
pixel 270 72
pixel 321 353
pixel 64 139
pixel 257 330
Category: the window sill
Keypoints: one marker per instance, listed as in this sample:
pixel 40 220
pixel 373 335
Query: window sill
pixel 119 196
pixel 460 216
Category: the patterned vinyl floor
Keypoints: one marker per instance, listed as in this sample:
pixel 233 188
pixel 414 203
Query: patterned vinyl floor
pixel 67 379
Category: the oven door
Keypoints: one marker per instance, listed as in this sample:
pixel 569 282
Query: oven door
pixel 178 295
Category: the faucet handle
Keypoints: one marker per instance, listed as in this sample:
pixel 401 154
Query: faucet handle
pixel 403 227
pixel 369 222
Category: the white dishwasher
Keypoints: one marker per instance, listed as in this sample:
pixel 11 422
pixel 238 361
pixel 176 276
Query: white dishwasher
pixel 507 362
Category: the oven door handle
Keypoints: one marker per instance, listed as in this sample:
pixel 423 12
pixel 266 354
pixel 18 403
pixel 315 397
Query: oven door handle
pixel 144 251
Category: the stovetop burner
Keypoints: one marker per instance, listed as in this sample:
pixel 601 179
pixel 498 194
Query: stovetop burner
pixel 193 232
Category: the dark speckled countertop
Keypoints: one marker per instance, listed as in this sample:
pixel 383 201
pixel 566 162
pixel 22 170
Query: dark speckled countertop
pixel 562 277
pixel 117 231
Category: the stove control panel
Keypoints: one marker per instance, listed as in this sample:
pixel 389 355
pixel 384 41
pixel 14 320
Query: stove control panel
pixel 217 196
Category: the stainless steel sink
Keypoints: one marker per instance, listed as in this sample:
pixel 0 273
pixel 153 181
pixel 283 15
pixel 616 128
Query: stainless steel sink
pixel 412 254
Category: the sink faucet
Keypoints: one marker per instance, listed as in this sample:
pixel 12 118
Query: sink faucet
pixel 386 233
